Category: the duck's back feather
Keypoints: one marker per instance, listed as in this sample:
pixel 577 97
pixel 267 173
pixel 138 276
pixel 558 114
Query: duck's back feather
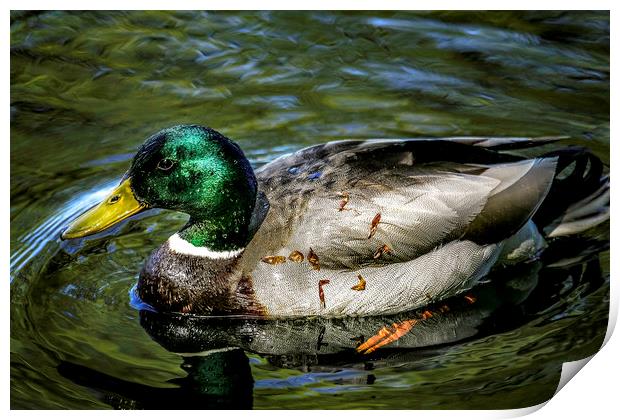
pixel 437 202
pixel 427 193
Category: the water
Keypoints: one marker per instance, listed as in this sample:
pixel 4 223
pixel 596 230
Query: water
pixel 87 88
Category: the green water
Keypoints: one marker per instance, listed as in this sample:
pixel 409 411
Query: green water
pixel 87 88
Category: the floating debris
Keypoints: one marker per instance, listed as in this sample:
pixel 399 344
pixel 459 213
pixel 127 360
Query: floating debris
pixel 386 335
pixel 274 259
pixel 296 256
pixel 426 314
pixel 470 299
pixel 361 284
pixel 389 334
pixel 384 249
pixel 321 294
pixel 374 224
pixel 313 259
pixel 344 201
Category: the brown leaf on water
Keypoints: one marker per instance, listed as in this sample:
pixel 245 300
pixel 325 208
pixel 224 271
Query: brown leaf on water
pixel 383 249
pixel 274 259
pixel 470 299
pixel 361 284
pixel 374 225
pixel 344 201
pixel 321 294
pixel 386 335
pixel 427 314
pixel 313 259
pixel 296 256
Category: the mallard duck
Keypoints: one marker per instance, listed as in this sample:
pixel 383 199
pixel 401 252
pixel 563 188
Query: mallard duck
pixel 346 228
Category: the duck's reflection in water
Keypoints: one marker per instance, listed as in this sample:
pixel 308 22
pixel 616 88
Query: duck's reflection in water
pixel 219 373
pixel 219 380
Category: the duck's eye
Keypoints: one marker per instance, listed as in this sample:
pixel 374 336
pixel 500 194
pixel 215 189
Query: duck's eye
pixel 165 164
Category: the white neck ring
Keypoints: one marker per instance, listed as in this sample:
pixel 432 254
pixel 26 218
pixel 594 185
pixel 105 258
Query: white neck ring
pixel 181 246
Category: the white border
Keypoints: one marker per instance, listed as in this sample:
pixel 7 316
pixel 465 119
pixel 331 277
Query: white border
pixel 594 393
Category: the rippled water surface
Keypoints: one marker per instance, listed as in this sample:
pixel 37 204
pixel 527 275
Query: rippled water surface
pixel 87 88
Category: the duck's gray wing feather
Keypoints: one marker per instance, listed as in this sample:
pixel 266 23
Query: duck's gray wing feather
pixel 506 143
pixel 428 193
pixel 523 187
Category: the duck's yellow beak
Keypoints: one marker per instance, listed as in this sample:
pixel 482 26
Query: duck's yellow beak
pixel 119 205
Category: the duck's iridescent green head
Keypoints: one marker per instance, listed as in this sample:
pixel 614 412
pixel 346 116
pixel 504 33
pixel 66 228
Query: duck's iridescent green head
pixel 188 168
pixel 195 170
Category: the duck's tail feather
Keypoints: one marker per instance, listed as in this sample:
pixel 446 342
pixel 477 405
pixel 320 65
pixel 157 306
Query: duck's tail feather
pixel 582 215
pixel 506 143
pixel 579 196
